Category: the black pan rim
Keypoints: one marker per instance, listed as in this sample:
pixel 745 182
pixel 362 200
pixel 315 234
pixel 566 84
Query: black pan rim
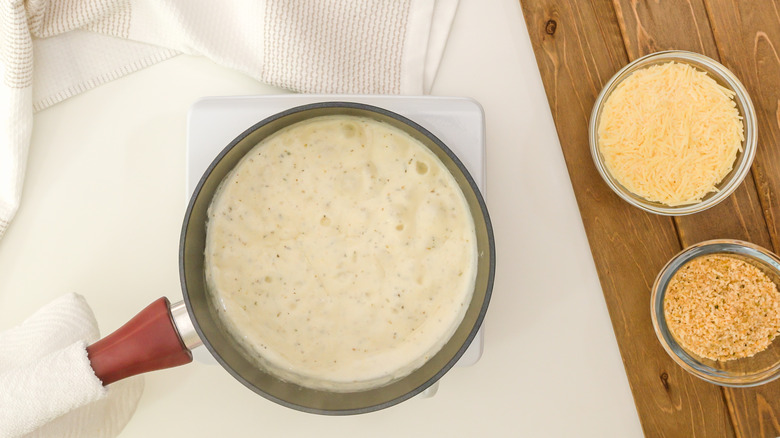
pixel 480 199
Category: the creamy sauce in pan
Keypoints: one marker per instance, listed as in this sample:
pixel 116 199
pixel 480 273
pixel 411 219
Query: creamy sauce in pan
pixel 341 253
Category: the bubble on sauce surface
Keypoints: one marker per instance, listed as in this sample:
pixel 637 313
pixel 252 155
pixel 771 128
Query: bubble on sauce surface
pixel 371 169
pixel 349 129
pixel 421 167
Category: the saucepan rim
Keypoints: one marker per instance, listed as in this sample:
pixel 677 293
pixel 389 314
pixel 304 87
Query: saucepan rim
pixel 361 107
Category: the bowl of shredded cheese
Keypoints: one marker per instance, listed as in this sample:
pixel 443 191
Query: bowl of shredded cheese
pixel 715 309
pixel 673 133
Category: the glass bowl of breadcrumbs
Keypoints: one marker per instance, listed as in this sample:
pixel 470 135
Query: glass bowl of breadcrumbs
pixel 716 310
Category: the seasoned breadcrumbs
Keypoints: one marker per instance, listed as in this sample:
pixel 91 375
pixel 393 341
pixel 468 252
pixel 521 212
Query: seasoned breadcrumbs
pixel 722 308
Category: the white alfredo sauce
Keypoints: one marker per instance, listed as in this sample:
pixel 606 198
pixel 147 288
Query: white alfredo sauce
pixel 341 253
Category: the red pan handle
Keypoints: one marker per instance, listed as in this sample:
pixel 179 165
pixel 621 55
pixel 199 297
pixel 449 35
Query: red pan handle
pixel 147 342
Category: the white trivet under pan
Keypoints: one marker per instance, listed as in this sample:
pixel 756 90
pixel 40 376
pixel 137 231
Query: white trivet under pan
pixel 213 122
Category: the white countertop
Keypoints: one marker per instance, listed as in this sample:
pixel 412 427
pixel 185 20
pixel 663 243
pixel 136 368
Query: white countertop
pixel 101 215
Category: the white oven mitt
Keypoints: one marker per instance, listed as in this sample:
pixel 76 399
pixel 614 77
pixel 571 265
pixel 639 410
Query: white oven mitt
pixel 47 387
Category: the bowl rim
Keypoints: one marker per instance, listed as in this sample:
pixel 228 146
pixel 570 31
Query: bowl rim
pixel 750 131
pixel 670 345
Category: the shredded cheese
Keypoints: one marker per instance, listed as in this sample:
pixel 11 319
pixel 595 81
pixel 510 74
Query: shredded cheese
pixel 669 133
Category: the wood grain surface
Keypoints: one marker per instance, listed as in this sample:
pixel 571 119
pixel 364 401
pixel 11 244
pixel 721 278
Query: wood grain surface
pixel 579 45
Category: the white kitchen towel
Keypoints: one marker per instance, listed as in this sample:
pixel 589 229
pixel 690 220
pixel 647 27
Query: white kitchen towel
pixel 53 49
pixel 48 386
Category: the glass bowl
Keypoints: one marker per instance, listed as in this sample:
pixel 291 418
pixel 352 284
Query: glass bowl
pixel 750 371
pixel 743 160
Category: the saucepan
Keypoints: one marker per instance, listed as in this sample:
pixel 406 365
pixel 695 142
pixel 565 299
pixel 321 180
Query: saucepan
pixel 162 335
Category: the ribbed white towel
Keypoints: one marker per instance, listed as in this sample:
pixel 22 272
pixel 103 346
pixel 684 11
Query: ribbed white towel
pixel 47 387
pixel 53 49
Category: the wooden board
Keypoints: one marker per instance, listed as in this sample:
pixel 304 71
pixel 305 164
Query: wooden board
pixel 579 45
